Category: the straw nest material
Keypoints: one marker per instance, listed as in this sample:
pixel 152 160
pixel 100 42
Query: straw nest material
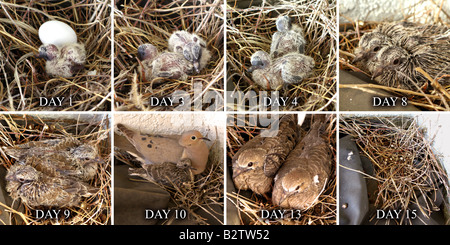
pixel 436 99
pixel 405 168
pixel 19 129
pixel 250 28
pixel 248 205
pixel 23 77
pixel 201 196
pixel 139 22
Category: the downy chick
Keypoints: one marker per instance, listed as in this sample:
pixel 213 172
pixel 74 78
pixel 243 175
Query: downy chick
pixel 64 61
pixel 292 68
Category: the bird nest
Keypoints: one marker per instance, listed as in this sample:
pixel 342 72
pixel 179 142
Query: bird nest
pixel 249 205
pixel 436 99
pixel 139 22
pixel 23 77
pixel 250 28
pixel 19 129
pixel 405 167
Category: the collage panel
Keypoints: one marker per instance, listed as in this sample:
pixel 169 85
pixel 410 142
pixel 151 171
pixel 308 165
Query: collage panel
pixel 169 55
pixel 281 55
pixel 55 169
pixel 393 169
pixel 168 169
pixel 394 56
pixel 55 55
pixel 281 169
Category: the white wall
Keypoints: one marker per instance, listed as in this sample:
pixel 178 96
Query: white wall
pixel 423 11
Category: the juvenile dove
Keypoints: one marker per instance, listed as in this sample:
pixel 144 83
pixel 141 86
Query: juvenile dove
pixel 396 66
pixel 292 68
pixel 170 65
pixel 192 47
pixel 288 39
pixel 257 161
pixel 303 176
pixel 406 35
pixel 35 188
pixel 58 157
pixel 188 149
pixel 64 61
pixel 166 173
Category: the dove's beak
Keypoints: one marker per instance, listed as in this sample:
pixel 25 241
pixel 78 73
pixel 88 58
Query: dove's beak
pixel 251 69
pixel 42 54
pixel 377 72
pixel 141 52
pixel 359 57
pixel 238 171
pixel 196 66
pixel 204 138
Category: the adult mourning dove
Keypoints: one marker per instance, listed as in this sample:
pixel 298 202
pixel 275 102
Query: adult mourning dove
pixel 292 68
pixel 170 65
pixel 303 176
pixel 257 161
pixel 64 61
pixel 288 38
pixel 58 157
pixel 36 189
pixel 192 47
pixel 166 173
pixel 188 148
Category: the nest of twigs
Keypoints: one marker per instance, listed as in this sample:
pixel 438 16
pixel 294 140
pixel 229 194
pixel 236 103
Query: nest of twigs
pixel 201 196
pixel 249 204
pixel 139 22
pixel 437 98
pixel 23 77
pixel 19 129
pixel 405 168
pixel 250 28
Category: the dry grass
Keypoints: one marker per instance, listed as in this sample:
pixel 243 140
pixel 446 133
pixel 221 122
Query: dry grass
pixel 249 205
pixel 250 29
pixel 438 97
pixel 405 167
pixel 23 77
pixel 139 22
pixel 18 129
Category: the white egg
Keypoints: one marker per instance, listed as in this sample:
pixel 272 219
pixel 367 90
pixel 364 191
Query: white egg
pixel 57 33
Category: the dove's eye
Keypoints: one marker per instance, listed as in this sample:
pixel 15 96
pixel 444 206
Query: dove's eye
pixel 193 138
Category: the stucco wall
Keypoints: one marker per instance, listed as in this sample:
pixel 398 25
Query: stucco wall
pixel 423 11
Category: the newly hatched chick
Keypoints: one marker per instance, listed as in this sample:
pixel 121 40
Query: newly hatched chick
pixel 192 47
pixel 257 161
pixel 292 68
pixel 35 188
pixel 289 38
pixel 303 176
pixel 64 61
pixel 168 65
pixel 396 66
